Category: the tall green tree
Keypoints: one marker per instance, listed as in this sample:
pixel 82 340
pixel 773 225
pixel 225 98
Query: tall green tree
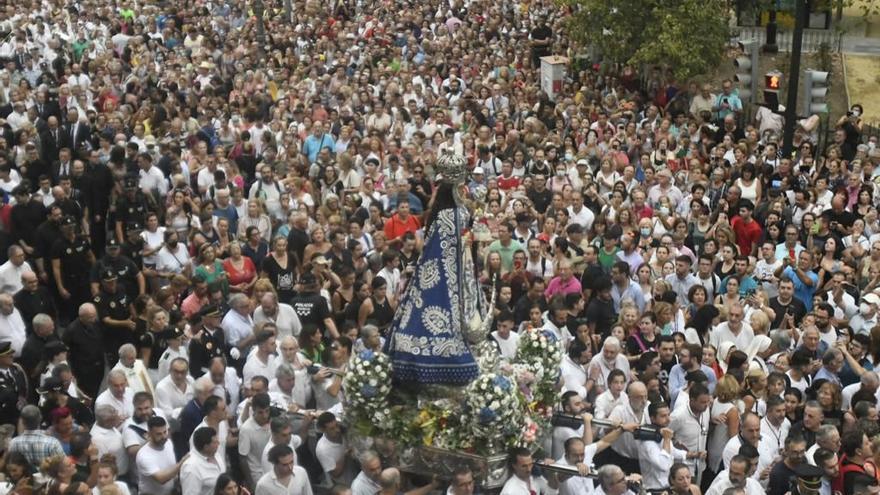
pixel 688 36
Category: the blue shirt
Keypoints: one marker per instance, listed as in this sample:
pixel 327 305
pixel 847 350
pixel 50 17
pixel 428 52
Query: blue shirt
pixel 633 291
pixel 677 380
pixel 746 284
pixel 312 145
pixel 803 291
pixel 736 105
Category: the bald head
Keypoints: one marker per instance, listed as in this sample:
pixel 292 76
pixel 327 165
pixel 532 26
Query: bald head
pixel 870 380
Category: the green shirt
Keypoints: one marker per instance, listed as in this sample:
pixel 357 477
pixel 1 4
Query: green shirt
pixel 606 259
pixel 506 252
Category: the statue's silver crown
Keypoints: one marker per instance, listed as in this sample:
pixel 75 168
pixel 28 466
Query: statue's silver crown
pixel 451 168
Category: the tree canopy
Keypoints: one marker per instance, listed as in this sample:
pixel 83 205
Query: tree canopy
pixel 688 36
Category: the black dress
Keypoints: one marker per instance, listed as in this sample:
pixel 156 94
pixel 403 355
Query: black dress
pixel 382 314
pixel 282 279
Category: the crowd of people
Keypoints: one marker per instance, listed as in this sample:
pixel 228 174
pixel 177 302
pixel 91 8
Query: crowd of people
pixel 206 214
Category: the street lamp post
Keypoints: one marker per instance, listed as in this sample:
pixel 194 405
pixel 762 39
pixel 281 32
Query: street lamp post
pixel 259 10
pixel 800 15
pixel 770 45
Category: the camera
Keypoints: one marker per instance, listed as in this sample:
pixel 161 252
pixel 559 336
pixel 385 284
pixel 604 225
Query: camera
pixel 634 486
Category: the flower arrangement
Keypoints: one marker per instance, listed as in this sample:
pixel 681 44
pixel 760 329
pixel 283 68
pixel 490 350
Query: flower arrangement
pixel 509 404
pixel 539 355
pixel 493 411
pixel 367 387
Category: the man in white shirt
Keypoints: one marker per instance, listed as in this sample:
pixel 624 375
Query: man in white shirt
pixel 625 450
pixel 155 462
pixel 750 434
pixel 135 429
pixel 227 384
pixel 108 439
pixel 691 427
pixel 580 214
pixel 13 269
pixel 522 481
pixel 390 272
pixel 262 361
pixel 579 456
pixel 285 478
pixel 253 437
pixel 134 370
pixel 736 476
pixel 504 336
pixel 828 437
pixel 200 470
pixel 572 405
pixel 655 458
pixel 281 314
pixel 765 269
pixel 869 381
pixel 175 390
pixel 117 395
pixel 173 258
pixel 611 480
pixel 332 451
pixel 238 325
pixel 367 481
pixel 12 327
pixel 734 329
pixel 774 430
pixel 152 180
pixel 282 434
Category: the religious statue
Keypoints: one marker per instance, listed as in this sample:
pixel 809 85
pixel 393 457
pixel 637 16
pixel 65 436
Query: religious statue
pixel 442 310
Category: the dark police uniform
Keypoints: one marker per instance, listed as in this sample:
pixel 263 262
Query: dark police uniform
pixel 13 388
pixel 309 305
pixel 133 207
pixel 54 391
pixel 85 355
pixel 132 250
pixel 211 344
pixel 157 342
pixel 114 306
pixel 124 268
pixel 75 257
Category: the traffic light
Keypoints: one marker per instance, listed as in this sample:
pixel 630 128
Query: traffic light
pixel 815 92
pixel 773 81
pixel 747 70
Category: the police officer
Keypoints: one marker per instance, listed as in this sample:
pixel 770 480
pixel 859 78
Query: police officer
pixel 72 259
pixel 132 206
pixel 54 395
pixel 808 480
pixel 13 386
pixel 114 313
pixel 209 342
pixel 47 233
pixel 133 246
pixel 311 306
pixel 130 277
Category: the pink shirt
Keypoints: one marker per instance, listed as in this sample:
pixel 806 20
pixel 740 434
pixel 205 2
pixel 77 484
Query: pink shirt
pixel 557 286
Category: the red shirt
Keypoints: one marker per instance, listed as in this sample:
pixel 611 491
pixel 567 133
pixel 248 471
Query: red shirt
pixel 505 184
pixel 395 227
pixel 747 234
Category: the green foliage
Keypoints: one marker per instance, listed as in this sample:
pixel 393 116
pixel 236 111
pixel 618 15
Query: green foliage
pixel 687 36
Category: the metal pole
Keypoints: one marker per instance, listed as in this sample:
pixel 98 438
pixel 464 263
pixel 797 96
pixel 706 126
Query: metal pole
pixel 287 9
pixel 794 73
pixel 770 45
